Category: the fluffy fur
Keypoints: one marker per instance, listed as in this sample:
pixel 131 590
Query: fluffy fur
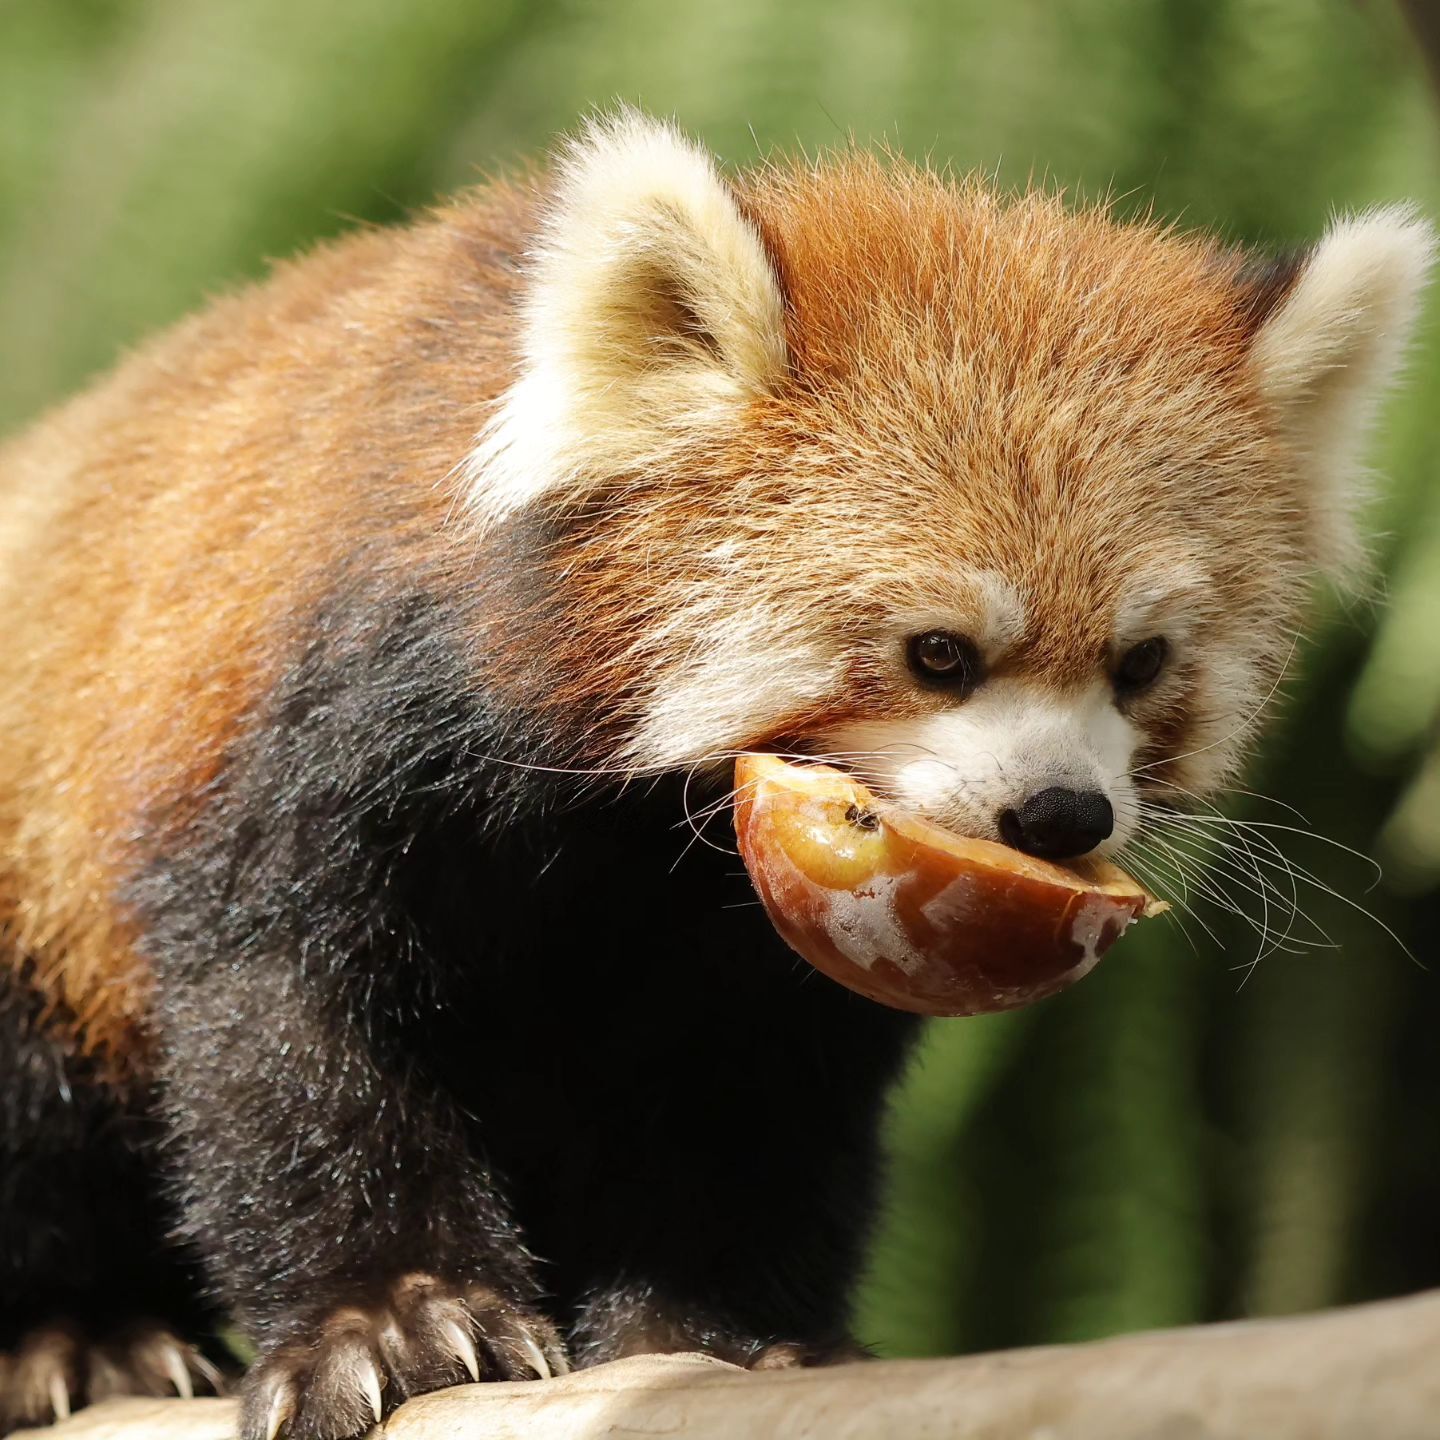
pixel 1324 355
pixel 652 319
pixel 363 634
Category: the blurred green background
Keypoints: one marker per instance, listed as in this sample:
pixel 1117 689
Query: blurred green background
pixel 1187 1135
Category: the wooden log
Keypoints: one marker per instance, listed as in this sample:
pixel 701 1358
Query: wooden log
pixel 1367 1373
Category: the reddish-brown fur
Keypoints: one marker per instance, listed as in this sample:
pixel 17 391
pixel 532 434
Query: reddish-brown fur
pixel 1037 391
pixel 205 492
pixel 1075 368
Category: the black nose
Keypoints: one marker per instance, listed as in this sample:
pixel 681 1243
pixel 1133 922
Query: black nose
pixel 1058 823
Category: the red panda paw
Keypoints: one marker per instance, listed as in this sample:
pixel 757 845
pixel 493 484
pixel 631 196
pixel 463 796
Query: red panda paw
pixel 346 1373
pixel 791 1355
pixel 58 1368
pixel 640 1321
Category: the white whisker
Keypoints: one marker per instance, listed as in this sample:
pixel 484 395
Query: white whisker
pixel 1243 856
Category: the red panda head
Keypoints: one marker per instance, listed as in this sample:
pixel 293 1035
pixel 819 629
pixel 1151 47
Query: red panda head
pixel 1001 504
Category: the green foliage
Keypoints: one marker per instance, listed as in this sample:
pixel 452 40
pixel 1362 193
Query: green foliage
pixel 1173 1141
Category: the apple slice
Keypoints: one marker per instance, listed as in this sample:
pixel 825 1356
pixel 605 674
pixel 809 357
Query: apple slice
pixel 911 915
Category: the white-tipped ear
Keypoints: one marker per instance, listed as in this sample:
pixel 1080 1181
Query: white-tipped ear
pixel 1326 352
pixel 653 316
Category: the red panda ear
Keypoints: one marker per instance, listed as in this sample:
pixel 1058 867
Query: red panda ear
pixel 653 316
pixel 1330 331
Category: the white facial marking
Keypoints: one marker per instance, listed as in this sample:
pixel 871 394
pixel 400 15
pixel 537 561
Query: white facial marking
pixel 963 766
pixel 1234 709
pixel 746 674
pixel 994 619
pixel 1171 602
pixel 1003 608
pixel 1180 601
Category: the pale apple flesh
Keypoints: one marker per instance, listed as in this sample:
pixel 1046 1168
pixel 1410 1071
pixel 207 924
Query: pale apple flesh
pixel 911 915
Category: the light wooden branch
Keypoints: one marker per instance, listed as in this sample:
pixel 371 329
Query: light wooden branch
pixel 1368 1373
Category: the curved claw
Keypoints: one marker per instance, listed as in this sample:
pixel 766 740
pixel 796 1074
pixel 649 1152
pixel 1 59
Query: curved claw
pixel 464 1348
pixel 282 1406
pixel 177 1371
pixel 369 1382
pixel 59 1393
pixel 208 1372
pixel 538 1361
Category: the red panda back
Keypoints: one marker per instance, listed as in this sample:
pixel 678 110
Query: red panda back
pixel 160 536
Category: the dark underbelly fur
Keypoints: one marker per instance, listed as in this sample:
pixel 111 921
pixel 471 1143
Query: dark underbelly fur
pixel 423 1011
pixel 82 1218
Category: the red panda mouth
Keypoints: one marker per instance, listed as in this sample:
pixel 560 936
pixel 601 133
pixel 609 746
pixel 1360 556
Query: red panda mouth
pixel 799 757
pixel 1059 824
pixel 913 915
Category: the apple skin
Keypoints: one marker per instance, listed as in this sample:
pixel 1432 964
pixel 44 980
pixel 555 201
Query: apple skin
pixel 911 915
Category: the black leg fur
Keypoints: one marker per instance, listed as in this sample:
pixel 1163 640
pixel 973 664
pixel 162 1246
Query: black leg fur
pixel 94 1299
pixel 338 1188
pixel 425 1016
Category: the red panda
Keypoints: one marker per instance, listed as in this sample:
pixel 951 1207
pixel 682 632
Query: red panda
pixel 363 633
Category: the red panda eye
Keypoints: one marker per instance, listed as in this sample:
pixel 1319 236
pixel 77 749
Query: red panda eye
pixel 939 657
pixel 1141 664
